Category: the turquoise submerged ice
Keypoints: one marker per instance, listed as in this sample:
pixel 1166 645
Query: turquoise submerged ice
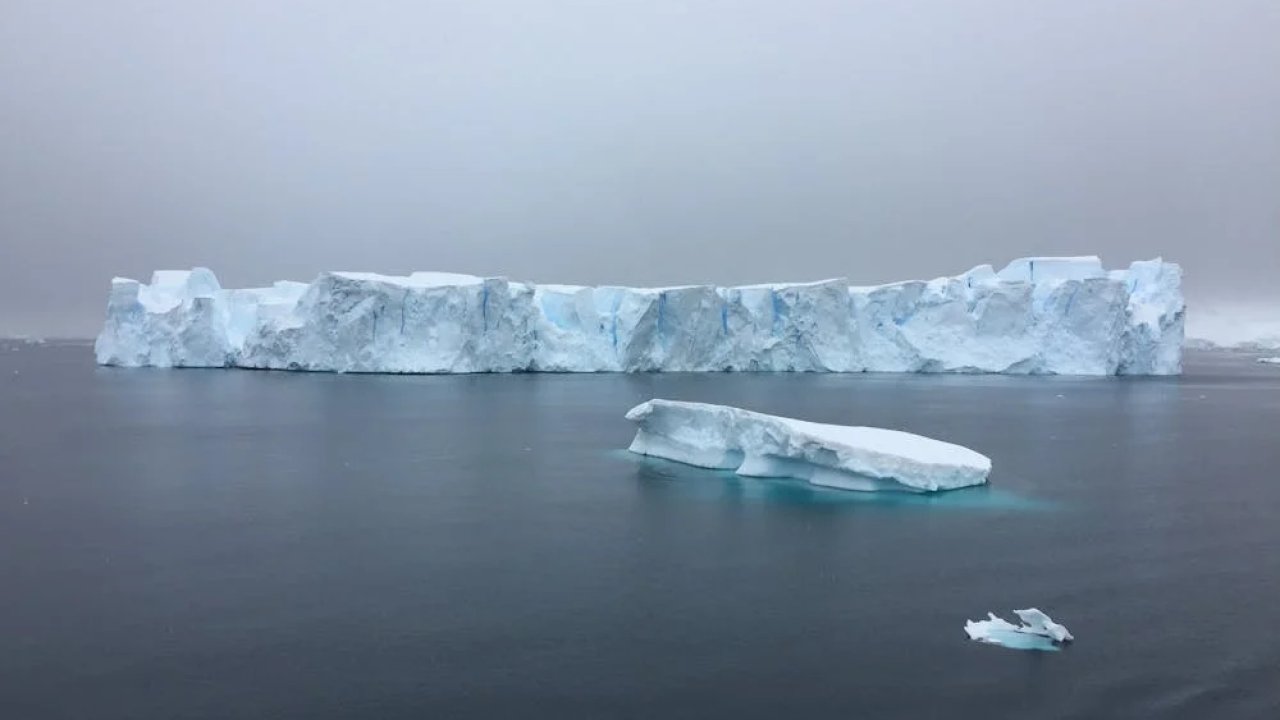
pixel 839 456
pixel 1038 315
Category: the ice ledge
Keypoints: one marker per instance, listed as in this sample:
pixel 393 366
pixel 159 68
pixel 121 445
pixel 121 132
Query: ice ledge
pixel 839 456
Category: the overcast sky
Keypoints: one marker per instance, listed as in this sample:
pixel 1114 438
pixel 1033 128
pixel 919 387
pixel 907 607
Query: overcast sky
pixel 637 142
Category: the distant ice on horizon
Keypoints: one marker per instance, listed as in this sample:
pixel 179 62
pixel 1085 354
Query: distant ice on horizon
pixel 1243 327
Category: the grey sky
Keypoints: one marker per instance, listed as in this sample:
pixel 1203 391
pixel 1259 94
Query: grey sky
pixel 638 142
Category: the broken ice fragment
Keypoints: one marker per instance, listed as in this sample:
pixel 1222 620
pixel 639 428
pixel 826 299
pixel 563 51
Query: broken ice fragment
pixel 1038 631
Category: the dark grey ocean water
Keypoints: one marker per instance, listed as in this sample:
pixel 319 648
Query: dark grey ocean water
pixel 236 544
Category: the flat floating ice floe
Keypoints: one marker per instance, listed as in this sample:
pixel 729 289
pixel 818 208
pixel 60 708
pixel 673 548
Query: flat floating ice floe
pixel 1038 631
pixel 753 444
pixel 1270 360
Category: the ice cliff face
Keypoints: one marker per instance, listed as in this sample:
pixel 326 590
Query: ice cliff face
pixel 1038 315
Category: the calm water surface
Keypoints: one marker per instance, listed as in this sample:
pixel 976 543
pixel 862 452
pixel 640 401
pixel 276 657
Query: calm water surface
pixel 234 544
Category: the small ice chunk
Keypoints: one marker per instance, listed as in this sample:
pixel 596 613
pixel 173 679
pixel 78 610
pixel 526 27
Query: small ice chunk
pixel 839 456
pixel 987 630
pixel 1042 624
pixel 1270 360
pixel 1038 631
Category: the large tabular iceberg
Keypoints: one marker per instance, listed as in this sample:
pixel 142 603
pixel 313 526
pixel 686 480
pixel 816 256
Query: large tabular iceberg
pixel 1038 315
pixel 839 456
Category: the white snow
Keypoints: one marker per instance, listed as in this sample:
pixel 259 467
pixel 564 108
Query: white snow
pixel 1038 631
pixel 758 445
pixel 1037 315
pixel 416 279
pixel 1038 623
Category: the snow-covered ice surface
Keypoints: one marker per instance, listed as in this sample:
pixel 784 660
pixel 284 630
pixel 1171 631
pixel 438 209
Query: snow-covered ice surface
pixel 1038 315
pixel 838 456
pixel 1038 631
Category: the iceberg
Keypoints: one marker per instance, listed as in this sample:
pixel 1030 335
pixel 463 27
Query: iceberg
pixel 1269 360
pixel 1037 315
pixel 757 445
pixel 1038 631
